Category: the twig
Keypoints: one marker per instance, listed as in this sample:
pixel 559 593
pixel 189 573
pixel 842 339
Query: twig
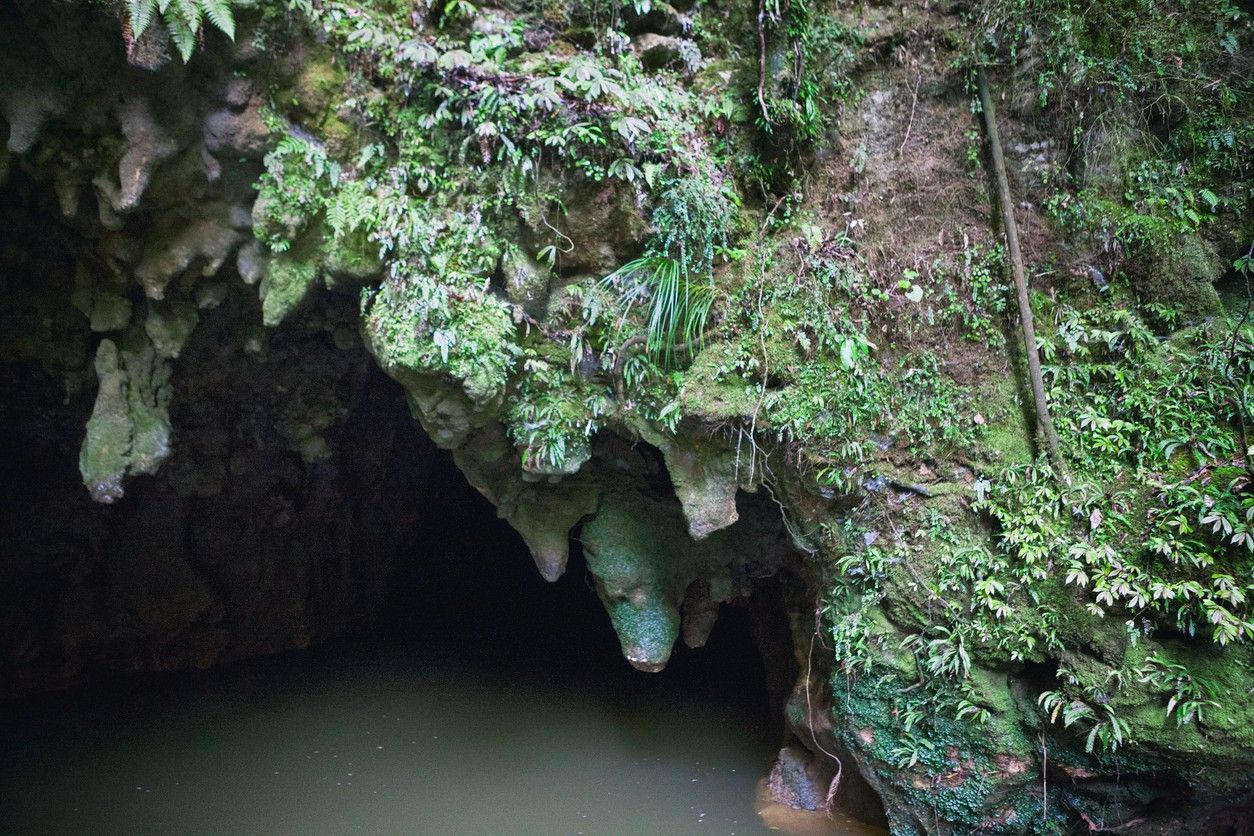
pixel 1238 396
pixel 1044 781
pixel 914 101
pixel 753 422
pixel 766 117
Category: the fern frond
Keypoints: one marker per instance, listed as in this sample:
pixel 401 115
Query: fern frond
pixel 220 15
pixel 140 12
pixel 190 12
pixel 183 36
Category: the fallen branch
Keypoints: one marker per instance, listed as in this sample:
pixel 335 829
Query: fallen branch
pixel 766 116
pixel 1044 423
pixel 1238 395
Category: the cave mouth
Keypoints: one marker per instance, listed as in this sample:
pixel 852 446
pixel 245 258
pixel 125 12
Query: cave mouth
pixel 465 592
pixel 478 697
pixel 301 504
pixel 388 540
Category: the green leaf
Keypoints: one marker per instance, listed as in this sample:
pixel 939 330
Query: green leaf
pixel 220 15
pixel 141 15
pixel 183 36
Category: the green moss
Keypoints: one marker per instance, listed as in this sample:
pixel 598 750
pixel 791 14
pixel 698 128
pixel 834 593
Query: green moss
pixel 350 262
pixel 1007 439
pixel 641 570
pixel 713 390
pixel 472 342
pixel 285 286
pixel 1182 273
pixel 129 429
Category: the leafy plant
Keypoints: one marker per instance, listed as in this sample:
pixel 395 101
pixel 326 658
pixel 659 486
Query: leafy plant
pixel 1189 695
pixel 183 18
pixel 678 305
pixel 1107 730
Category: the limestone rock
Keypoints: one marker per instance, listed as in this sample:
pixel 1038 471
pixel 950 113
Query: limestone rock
pixel 129 429
pixel 526 283
pixel 640 575
pixel 1183 273
pixel 169 324
pixel 27 106
pixel 795 781
pixel 700 613
pixel 241 132
pixel 251 262
pixel 284 288
pixel 204 242
pixel 661 18
pixel 147 146
pixel 706 477
pixel 351 264
pixel 657 51
pixel 706 483
pixel 602 228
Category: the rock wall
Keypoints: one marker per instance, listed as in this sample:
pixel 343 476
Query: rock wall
pixel 235 491
pixel 210 267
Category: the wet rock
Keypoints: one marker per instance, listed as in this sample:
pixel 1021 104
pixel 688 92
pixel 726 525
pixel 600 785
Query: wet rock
pixel 147 146
pixel 795 781
pixel 640 574
pixel 28 103
pixel 700 613
pixel 658 52
pixel 129 429
pixel 203 243
pixel 286 283
pixel 1183 273
pixel 644 562
pixel 169 324
pixel 351 264
pixel 706 481
pixel 251 262
pixel 240 131
pixel 602 228
pixel 151 50
pixel 526 282
pixel 661 18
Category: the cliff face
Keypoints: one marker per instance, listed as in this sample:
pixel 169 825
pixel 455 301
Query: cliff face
pixel 717 290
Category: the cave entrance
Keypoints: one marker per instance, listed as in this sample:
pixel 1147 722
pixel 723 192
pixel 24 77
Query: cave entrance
pixel 465 592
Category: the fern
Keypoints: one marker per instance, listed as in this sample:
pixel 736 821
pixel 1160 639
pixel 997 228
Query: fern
pixel 678 306
pixel 183 20
pixel 219 14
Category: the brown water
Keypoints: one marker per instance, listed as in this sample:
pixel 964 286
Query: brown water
pixel 367 739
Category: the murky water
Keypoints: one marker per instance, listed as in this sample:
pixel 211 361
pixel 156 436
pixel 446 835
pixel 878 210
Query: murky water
pixel 371 740
pixel 497 704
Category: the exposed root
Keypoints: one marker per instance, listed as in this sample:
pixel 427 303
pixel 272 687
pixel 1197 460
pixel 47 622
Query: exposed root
pixel 914 102
pixel 840 766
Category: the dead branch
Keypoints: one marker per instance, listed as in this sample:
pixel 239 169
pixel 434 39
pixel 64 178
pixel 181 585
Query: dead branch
pixel 1044 424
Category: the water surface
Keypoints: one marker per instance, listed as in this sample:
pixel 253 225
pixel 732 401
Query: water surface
pixel 377 738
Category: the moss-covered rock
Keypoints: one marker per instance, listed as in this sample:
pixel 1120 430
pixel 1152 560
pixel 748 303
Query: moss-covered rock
pixel 287 282
pixel 129 429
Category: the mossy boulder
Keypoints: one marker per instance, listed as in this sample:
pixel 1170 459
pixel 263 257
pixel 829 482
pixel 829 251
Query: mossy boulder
pixel 287 281
pixel 1182 273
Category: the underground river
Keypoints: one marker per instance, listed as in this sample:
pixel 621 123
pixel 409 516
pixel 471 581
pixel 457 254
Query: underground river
pixel 486 701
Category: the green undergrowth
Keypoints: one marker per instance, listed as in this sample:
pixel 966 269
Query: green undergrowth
pixel 1132 581
pixel 1156 108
